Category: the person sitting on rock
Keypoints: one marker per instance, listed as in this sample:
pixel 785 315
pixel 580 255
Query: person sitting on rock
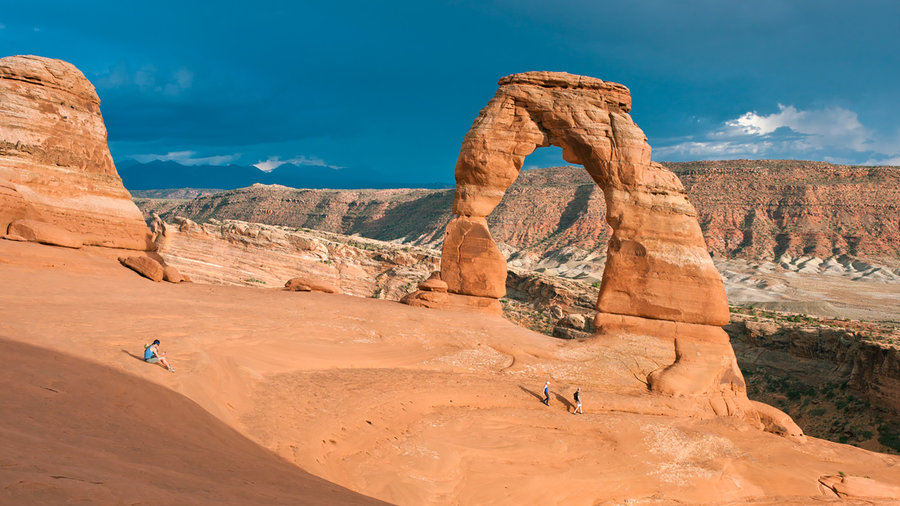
pixel 157 229
pixel 152 355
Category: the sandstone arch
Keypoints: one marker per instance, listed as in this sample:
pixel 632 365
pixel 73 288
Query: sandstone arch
pixel 659 279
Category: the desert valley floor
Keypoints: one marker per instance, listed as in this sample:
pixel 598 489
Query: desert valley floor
pixel 284 397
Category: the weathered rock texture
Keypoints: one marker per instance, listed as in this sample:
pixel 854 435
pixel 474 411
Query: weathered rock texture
pixel 250 254
pixel 145 266
pixel 753 209
pixel 305 284
pixel 659 279
pixel 55 165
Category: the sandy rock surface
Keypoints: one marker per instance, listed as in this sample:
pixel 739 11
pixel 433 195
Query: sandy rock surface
pixel 407 405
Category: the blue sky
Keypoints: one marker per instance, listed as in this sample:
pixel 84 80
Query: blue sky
pixel 392 87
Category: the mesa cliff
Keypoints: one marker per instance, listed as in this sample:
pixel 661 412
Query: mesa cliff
pixel 58 183
pixel 753 209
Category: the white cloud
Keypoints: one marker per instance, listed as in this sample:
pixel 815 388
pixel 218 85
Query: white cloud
pixel 188 158
pixel 823 126
pixel 274 162
pixel 147 78
pixel 831 133
pixel 895 161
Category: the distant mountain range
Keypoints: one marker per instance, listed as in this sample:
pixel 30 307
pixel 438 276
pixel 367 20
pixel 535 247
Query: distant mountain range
pixel 168 174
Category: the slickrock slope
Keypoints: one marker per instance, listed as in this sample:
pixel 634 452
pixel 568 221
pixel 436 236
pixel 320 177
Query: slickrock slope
pixel 75 431
pixel 403 404
pixel 779 355
pixel 55 166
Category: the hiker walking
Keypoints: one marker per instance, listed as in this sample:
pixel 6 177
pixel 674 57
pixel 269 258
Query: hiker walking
pixel 578 402
pixel 547 393
pixel 153 356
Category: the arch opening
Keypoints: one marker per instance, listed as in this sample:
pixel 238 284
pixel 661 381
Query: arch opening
pixel 552 219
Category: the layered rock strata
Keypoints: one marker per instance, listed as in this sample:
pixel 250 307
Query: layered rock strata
pixel 55 165
pixel 659 280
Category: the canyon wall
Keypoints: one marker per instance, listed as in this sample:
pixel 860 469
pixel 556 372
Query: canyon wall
pixel 754 209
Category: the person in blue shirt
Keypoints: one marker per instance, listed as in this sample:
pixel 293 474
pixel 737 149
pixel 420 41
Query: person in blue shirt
pixel 152 355
pixel 547 393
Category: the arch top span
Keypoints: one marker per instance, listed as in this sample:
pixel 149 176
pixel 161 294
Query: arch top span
pixel 586 117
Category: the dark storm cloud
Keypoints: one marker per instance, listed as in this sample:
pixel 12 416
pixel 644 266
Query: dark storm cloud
pixel 395 85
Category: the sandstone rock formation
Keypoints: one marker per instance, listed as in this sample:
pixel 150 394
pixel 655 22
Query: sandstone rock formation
pixel 858 487
pixel 305 284
pixel 171 274
pixel 44 233
pixel 659 279
pixel 250 254
pixel 145 266
pixel 434 283
pixel 55 166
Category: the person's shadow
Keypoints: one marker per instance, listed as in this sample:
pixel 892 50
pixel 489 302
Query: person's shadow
pixel 132 355
pixel 561 398
pixel 533 393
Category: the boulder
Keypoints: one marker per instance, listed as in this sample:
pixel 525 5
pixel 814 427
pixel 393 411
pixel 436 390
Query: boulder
pixel 172 275
pixel 777 422
pixel 55 165
pixel 454 302
pixel 302 284
pixel 858 487
pixel 145 266
pixel 556 312
pixel 573 321
pixel 185 225
pixel 44 233
pixel 567 333
pixel 434 283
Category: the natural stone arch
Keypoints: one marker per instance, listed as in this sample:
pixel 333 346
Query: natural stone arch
pixel 659 279
pixel 657 263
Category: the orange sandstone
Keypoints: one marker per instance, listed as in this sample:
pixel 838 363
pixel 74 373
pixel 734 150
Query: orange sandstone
pixel 55 166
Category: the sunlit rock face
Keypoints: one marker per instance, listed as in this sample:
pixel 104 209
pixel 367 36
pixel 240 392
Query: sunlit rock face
pixel 55 165
pixel 659 279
